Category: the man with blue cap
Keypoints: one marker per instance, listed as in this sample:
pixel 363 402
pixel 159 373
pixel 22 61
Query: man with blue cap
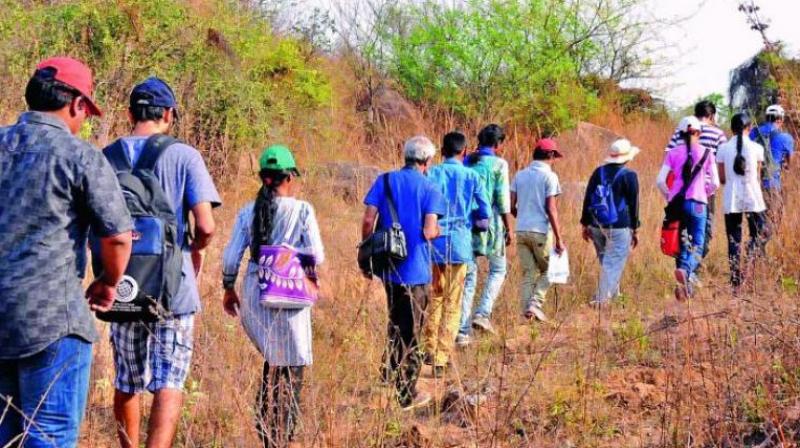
pixel 156 356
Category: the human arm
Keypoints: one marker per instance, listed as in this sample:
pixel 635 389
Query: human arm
pixel 502 198
pixel 721 171
pixel 661 180
pixel 482 207
pixel 431 227
pixel 632 200
pixel 514 203
pixel 368 222
pixel 552 215
pixel 586 215
pixel 115 252
pixel 204 229
pixel 713 175
pixel 232 258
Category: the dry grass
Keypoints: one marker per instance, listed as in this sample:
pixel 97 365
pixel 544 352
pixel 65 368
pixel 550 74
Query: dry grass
pixel 727 372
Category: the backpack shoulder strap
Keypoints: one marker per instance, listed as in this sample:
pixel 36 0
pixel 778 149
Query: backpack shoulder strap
pixel 152 151
pixel 622 171
pixel 387 191
pixel 116 156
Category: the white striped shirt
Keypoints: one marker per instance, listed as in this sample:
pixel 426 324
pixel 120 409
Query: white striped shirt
pixel 283 336
pixel 711 137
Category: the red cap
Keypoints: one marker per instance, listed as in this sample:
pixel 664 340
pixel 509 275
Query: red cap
pixel 76 75
pixel 549 145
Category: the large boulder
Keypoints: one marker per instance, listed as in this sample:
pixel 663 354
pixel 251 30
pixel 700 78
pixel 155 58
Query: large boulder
pixel 349 180
pixel 751 87
pixel 385 104
pixel 587 137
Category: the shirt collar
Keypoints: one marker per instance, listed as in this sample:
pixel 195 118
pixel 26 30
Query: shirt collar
pixel 486 151
pixel 539 165
pixel 452 161
pixel 33 117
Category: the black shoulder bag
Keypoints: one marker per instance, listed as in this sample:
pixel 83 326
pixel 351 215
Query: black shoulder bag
pixel 674 209
pixel 384 246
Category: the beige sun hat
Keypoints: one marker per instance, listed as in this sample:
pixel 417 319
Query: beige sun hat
pixel 621 151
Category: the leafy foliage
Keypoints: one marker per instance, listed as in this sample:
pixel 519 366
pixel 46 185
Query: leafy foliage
pixel 235 80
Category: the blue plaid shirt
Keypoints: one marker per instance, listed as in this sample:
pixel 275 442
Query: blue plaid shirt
pixel 54 186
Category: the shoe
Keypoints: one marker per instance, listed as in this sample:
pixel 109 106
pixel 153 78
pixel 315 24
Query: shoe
pixel 463 340
pixel 421 399
pixel 682 289
pixel 534 310
pixel 483 323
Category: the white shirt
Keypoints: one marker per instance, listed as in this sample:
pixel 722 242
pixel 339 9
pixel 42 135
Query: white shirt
pixel 533 186
pixel 742 194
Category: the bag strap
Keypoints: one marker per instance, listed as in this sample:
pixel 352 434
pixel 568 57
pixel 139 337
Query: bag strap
pixel 695 172
pixel 116 156
pixel 154 147
pixel 387 191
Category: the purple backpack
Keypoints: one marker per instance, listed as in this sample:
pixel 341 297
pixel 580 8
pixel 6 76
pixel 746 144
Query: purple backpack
pixel 287 278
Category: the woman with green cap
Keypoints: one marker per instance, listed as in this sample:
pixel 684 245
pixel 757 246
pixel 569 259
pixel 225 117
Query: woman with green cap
pixel 282 335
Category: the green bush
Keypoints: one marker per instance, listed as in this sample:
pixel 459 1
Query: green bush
pixel 238 84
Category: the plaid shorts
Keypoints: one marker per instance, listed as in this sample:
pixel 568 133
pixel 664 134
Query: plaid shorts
pixel 155 355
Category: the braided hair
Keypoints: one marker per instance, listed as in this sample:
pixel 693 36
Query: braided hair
pixel 265 208
pixel 686 170
pixel 739 123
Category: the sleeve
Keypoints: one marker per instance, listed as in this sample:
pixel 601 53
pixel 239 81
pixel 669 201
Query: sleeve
pixel 673 141
pixel 199 185
pixel 103 197
pixel 234 250
pixel 374 196
pixel 713 175
pixel 435 203
pixel 586 216
pixel 632 199
pixel 553 186
pixel 312 236
pixel 482 201
pixel 502 190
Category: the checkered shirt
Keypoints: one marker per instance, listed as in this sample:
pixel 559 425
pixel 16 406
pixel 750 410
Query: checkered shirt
pixel 53 186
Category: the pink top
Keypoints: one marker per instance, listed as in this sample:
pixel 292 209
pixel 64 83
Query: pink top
pixel 704 184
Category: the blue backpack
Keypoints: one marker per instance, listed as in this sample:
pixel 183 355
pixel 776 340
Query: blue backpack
pixel 602 204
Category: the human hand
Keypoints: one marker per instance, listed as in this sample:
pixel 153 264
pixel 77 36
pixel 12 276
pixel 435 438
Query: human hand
pixel 101 295
pixel 635 239
pixel 510 239
pixel 586 234
pixel 198 257
pixel 560 247
pixel 230 302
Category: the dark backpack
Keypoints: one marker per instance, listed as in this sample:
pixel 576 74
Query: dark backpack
pixel 154 272
pixel 602 203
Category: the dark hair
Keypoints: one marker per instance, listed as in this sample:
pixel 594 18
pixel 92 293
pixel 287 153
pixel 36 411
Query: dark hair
pixel 773 118
pixel 705 109
pixel 265 208
pixel 541 154
pixel 739 123
pixel 492 135
pixel 686 170
pixel 147 113
pixel 45 94
pixel 453 144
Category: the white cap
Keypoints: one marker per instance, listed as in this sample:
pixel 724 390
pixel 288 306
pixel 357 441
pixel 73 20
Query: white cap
pixel 621 151
pixel 419 148
pixel 690 122
pixel 776 111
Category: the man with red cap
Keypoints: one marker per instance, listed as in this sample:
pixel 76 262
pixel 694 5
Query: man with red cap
pixel 533 202
pixel 55 187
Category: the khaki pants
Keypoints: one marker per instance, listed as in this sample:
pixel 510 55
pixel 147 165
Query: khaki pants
pixel 443 314
pixel 533 252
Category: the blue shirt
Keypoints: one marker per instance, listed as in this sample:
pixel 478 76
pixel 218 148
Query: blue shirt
pixel 463 195
pixel 414 196
pixel 781 146
pixel 54 187
pixel 182 174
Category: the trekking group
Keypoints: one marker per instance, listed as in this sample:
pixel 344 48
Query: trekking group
pixel 144 206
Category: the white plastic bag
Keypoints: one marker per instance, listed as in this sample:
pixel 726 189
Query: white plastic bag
pixel 558 269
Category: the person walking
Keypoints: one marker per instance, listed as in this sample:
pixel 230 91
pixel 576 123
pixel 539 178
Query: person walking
pixel 55 186
pixel 140 361
pixel 493 171
pixel 779 148
pixel 741 162
pixel 407 282
pixel 695 178
pixel 534 192
pixel 283 336
pixel 610 217
pixel 467 209
pixel 711 137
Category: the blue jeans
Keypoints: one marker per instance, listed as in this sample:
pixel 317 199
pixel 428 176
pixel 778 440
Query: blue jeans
pixel 613 247
pixel 50 388
pixel 693 238
pixel 494 283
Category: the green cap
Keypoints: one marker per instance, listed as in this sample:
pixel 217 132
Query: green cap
pixel 278 158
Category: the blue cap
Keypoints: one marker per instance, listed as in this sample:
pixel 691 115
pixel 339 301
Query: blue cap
pixel 153 92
